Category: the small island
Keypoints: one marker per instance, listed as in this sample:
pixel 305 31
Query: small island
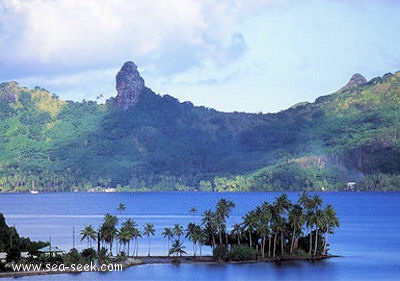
pixel 271 232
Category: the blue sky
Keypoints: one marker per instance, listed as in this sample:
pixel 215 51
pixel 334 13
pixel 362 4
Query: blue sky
pixel 253 56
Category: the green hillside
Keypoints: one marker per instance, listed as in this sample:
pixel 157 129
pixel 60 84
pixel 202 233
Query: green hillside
pixel 162 144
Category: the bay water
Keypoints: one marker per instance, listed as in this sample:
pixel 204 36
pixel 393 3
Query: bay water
pixel 368 239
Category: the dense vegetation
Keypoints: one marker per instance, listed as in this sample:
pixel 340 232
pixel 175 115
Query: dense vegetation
pixel 273 230
pixel 162 144
pixel 12 244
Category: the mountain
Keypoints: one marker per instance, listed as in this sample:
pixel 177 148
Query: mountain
pixel 140 140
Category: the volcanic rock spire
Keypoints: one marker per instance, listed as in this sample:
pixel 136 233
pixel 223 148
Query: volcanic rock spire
pixel 129 85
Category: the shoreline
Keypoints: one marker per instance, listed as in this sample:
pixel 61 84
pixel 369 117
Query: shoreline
pixel 143 260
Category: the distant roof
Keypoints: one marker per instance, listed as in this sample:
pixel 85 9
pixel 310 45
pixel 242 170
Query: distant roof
pixel 52 249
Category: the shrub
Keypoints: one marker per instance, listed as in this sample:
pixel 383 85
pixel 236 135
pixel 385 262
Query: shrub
pixel 220 253
pixel 242 253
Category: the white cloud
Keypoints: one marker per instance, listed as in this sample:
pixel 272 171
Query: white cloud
pixel 80 32
pixel 75 33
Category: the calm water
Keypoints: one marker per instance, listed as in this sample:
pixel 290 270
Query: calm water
pixel 368 238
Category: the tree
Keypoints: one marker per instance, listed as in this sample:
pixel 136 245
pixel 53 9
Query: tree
pixel 198 236
pixel 124 236
pixel 282 205
pixel 126 233
pixel 307 203
pixel 121 208
pixel 329 222
pixel 195 234
pixel 177 248
pixel 136 235
pixel 178 230
pixel 168 233
pixel 249 224
pixel 317 221
pixel 278 211
pixel 263 224
pixel 108 229
pixel 296 221
pixel 237 232
pixel 316 217
pixel 223 209
pixel 149 230
pixel 209 224
pixel 88 233
pixel 193 211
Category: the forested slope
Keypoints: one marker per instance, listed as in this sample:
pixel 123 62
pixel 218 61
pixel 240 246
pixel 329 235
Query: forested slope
pixel 159 143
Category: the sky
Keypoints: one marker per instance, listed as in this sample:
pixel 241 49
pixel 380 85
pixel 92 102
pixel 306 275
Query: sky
pixel 233 55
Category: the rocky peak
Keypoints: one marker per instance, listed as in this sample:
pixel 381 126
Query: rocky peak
pixel 355 80
pixel 129 85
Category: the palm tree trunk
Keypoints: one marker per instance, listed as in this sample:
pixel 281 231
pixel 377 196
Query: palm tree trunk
pixel 309 252
pixel 98 243
pixel 137 246
pixel 269 245
pixel 263 247
pixel 213 241
pixel 292 243
pixel 275 238
pixel 282 242
pixel 316 241
pixel 325 242
pixel 250 241
pixel 149 246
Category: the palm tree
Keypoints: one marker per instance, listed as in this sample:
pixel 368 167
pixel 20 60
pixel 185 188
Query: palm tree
pixel 223 209
pixel 310 205
pixel 193 211
pixel 136 235
pixel 282 205
pixel 191 236
pixel 296 221
pixel 317 221
pixel 237 232
pixel 198 236
pixel 208 221
pixel 125 236
pixel 168 233
pixel 315 215
pixel 88 233
pixel 249 224
pixel 329 222
pixel 129 227
pixel 177 248
pixel 178 230
pixel 149 230
pixel 309 223
pixel 108 229
pixel 121 208
pixel 262 225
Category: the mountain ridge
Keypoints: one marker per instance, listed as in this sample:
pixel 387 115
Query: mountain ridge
pixel 139 140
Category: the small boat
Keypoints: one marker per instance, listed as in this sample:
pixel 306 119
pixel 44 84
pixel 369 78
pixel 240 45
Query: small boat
pixel 33 191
